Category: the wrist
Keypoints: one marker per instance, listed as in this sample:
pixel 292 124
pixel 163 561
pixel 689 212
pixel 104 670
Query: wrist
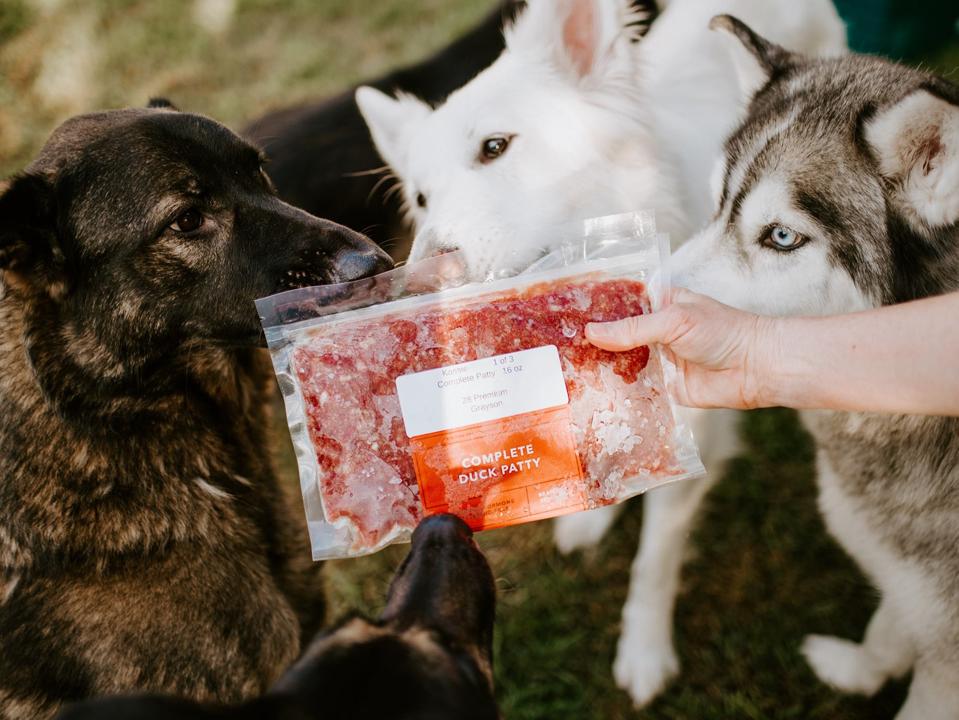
pixel 772 379
pixel 787 380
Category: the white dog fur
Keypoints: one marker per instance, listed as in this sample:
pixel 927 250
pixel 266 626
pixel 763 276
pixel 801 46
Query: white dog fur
pixel 596 123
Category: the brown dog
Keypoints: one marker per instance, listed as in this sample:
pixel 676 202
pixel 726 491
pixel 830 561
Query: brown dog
pixel 145 543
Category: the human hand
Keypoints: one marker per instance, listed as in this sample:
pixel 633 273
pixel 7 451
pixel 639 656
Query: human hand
pixel 725 357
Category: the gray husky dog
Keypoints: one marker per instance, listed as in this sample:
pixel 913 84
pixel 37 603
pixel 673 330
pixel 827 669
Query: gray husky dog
pixel 840 192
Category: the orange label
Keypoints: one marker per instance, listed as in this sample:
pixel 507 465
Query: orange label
pixel 502 472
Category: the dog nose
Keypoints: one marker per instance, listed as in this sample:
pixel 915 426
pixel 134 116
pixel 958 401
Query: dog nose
pixel 430 243
pixel 357 257
pixel 441 528
pixel 354 264
pixel 443 250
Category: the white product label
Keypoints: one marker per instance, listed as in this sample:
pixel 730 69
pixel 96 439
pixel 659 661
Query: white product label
pixel 473 392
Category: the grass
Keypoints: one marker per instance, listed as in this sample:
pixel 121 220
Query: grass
pixel 763 571
pixel 763 574
pixel 59 58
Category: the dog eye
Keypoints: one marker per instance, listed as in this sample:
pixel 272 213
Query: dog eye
pixel 493 147
pixel 421 200
pixel 780 237
pixel 188 221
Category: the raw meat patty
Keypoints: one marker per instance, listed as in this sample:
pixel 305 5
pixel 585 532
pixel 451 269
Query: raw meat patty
pixel 622 421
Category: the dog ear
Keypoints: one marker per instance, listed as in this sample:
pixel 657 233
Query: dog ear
pixel 27 224
pixel 586 38
pixel 160 103
pixel 916 144
pixel 755 58
pixel 391 122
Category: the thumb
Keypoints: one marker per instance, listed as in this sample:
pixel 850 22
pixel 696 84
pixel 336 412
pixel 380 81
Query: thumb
pixel 629 333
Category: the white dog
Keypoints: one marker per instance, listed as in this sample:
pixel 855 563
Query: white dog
pixel 580 118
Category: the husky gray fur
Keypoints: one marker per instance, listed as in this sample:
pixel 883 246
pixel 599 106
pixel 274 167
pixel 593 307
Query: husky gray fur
pixel 840 192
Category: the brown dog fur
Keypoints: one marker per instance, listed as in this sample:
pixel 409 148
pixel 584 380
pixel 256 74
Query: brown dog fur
pixel 145 542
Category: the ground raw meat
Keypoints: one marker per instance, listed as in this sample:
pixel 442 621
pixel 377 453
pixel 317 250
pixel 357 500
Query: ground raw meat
pixel 621 418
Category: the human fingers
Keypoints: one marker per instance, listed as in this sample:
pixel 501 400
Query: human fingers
pixel 632 332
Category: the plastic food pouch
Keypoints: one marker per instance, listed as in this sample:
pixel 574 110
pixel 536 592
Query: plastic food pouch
pixel 415 392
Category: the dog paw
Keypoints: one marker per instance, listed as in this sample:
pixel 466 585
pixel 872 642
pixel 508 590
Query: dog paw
pixel 842 664
pixel 642 669
pixel 582 530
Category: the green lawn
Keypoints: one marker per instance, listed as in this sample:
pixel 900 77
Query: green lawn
pixel 762 571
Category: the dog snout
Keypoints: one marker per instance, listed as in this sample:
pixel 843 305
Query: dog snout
pixel 444 584
pixel 682 264
pixel 430 243
pixel 441 529
pixel 356 264
pixel 356 257
pixel 299 250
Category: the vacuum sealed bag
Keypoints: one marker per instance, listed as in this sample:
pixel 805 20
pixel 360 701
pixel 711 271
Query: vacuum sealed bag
pixel 416 392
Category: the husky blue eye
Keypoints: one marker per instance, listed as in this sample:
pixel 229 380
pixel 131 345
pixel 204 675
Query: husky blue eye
pixel 784 236
pixel 780 237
